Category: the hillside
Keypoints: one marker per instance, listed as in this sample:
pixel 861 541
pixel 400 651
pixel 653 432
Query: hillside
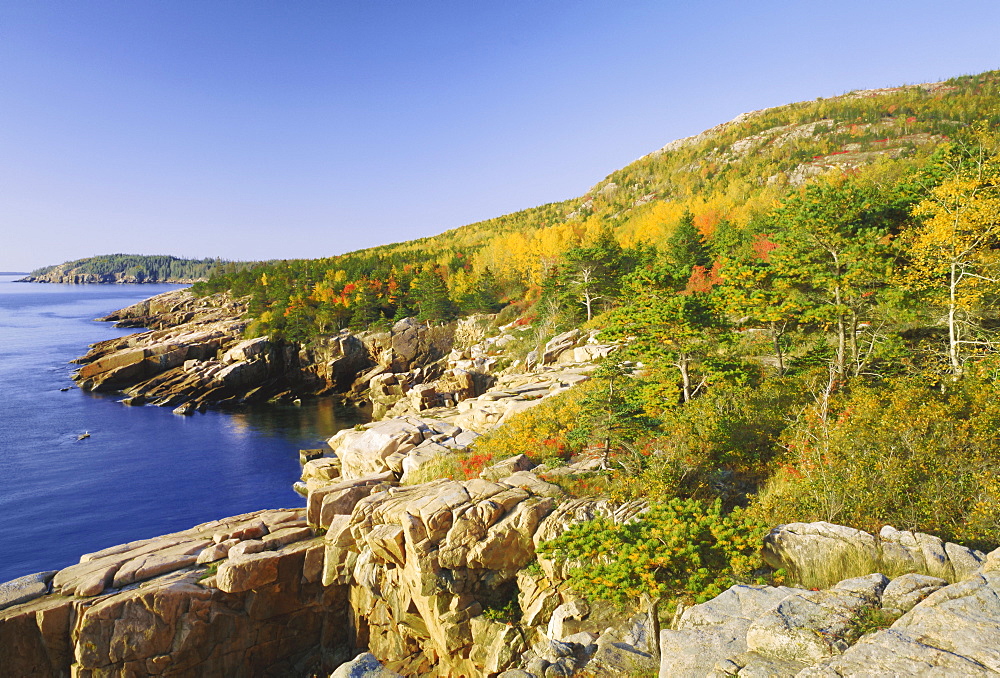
pixel 727 178
pixel 128 268
pixel 811 291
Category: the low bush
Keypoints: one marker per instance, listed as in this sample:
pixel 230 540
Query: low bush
pixel 903 453
pixel 679 549
pixel 541 432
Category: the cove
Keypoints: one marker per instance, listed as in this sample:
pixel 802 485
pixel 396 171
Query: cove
pixel 143 471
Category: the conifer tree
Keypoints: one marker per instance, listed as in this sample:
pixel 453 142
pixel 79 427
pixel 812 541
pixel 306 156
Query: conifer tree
pixel 685 248
pixel 430 293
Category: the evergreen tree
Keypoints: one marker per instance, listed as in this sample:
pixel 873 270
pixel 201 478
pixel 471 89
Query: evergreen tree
pixel 430 294
pixel 834 248
pixel 686 249
pixel 610 414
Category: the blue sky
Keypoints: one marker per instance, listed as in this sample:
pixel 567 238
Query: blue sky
pixel 259 130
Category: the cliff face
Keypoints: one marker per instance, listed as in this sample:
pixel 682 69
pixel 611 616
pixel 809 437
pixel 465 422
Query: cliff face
pixel 146 608
pixel 404 571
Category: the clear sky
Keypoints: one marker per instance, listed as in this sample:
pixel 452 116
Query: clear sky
pixel 257 130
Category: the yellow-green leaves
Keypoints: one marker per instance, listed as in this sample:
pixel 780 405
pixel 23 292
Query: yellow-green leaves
pixel 954 253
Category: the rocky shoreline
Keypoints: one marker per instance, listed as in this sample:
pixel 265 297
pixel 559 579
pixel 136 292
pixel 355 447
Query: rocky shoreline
pixel 433 578
pixel 413 575
pixel 195 356
pixel 69 278
pixel 410 574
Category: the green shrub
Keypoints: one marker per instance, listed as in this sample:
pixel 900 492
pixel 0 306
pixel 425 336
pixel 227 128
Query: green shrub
pixel 870 620
pixel 679 549
pixel 904 454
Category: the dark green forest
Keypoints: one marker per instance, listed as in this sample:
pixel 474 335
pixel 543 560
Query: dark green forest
pixel 142 267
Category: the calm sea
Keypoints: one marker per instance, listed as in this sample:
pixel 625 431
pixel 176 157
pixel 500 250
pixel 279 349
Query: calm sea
pixel 143 471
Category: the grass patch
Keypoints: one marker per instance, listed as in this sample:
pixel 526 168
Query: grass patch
pixel 210 571
pixel 443 466
pixel 871 620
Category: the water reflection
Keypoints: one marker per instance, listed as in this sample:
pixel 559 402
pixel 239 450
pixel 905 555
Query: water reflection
pixel 319 419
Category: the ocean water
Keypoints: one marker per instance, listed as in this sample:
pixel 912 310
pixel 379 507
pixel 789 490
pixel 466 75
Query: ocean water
pixel 143 471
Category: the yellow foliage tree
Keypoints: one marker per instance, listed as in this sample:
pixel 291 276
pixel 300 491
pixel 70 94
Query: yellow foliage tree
pixel 954 252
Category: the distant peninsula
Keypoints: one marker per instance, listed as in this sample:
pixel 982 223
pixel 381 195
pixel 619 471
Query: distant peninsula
pixel 130 268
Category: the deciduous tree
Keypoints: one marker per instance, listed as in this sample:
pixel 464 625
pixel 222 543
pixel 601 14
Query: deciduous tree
pixel 954 253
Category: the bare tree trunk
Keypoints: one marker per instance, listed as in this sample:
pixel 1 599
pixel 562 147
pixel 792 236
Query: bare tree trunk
pixel 652 606
pixel 855 355
pixel 776 336
pixel 682 364
pixel 841 359
pixel 953 338
pixel 609 423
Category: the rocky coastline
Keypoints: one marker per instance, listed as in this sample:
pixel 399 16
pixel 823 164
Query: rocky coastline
pixel 382 575
pixel 195 356
pixel 407 575
pixel 74 278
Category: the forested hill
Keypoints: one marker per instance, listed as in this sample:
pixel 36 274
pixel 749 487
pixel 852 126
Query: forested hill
pixel 719 188
pixel 806 302
pixel 132 268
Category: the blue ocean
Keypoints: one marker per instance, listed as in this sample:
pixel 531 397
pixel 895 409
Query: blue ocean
pixel 143 471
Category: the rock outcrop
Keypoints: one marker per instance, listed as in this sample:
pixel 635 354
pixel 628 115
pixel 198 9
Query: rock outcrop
pixel 817 552
pixel 430 580
pixel 936 628
pixel 403 444
pixel 781 631
pixel 68 275
pixel 152 608
pixel 404 572
pixel 196 356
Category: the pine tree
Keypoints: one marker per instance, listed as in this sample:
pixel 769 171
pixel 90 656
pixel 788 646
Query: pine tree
pixel 685 248
pixel 430 293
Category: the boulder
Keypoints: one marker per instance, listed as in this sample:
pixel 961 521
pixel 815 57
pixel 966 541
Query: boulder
pixel 365 665
pixel 247 350
pixel 241 374
pixel 954 631
pixel 813 625
pixel 247 571
pixel 905 591
pixel 821 553
pixel 716 631
pixel 495 645
pixel 363 453
pixel 613 658
pixel 246 547
pixel 321 468
pixel 326 501
pixel 148 565
pixel 576 609
pixel 25 588
pixel 821 550
pixel 904 551
pixel 558 344
pixel 508 467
